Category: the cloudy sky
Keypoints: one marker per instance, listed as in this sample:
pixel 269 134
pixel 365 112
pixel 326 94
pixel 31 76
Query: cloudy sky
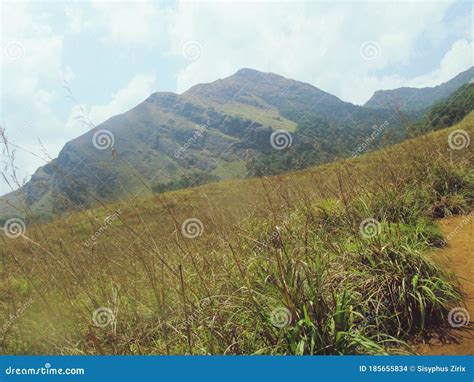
pixel 61 60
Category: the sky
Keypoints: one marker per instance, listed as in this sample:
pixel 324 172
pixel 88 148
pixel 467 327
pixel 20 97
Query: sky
pixel 62 61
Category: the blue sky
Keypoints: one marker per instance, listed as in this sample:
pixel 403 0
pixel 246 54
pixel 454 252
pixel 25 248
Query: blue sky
pixel 112 55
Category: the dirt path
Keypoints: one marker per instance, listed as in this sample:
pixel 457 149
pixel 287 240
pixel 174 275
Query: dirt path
pixel 458 256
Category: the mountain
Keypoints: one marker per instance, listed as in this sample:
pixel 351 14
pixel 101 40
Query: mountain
pixel 213 131
pixel 418 98
pixel 350 247
pixel 446 113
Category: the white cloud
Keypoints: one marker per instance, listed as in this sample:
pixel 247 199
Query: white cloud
pixel 132 22
pixel 317 43
pixel 458 59
pixel 30 74
pixel 75 16
pixel 139 88
pixel 136 91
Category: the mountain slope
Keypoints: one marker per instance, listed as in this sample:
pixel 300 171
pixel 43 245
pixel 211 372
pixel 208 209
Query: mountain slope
pixel 246 260
pixel 213 131
pixel 447 112
pixel 418 98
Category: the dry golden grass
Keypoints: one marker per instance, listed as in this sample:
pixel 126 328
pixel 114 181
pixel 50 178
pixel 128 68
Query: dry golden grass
pixel 289 242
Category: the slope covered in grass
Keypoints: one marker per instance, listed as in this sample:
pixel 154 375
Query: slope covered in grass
pixel 209 127
pixel 328 260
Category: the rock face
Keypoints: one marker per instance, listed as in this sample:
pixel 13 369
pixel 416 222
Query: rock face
pixel 211 128
pixel 418 99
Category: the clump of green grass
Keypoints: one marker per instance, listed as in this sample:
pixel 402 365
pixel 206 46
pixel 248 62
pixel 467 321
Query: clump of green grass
pixel 452 189
pixel 347 294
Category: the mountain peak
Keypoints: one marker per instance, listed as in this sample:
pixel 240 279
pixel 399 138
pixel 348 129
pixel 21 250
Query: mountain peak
pixel 248 82
pixel 247 71
pixel 245 76
pixel 253 74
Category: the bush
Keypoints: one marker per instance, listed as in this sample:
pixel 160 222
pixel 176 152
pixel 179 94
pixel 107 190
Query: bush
pixel 192 179
pixel 343 293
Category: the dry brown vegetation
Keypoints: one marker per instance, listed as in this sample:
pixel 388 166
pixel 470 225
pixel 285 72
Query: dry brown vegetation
pixel 280 265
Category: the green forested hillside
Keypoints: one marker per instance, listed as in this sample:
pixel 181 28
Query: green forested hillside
pixel 446 113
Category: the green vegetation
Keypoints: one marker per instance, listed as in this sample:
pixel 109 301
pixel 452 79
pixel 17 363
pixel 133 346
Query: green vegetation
pixel 328 260
pixel 191 179
pixel 316 142
pixel 446 113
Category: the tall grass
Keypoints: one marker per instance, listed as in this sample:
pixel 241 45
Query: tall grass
pixel 282 265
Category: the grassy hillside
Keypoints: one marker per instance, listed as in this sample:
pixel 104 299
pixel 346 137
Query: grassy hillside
pixel 447 112
pixel 328 260
pixel 226 124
